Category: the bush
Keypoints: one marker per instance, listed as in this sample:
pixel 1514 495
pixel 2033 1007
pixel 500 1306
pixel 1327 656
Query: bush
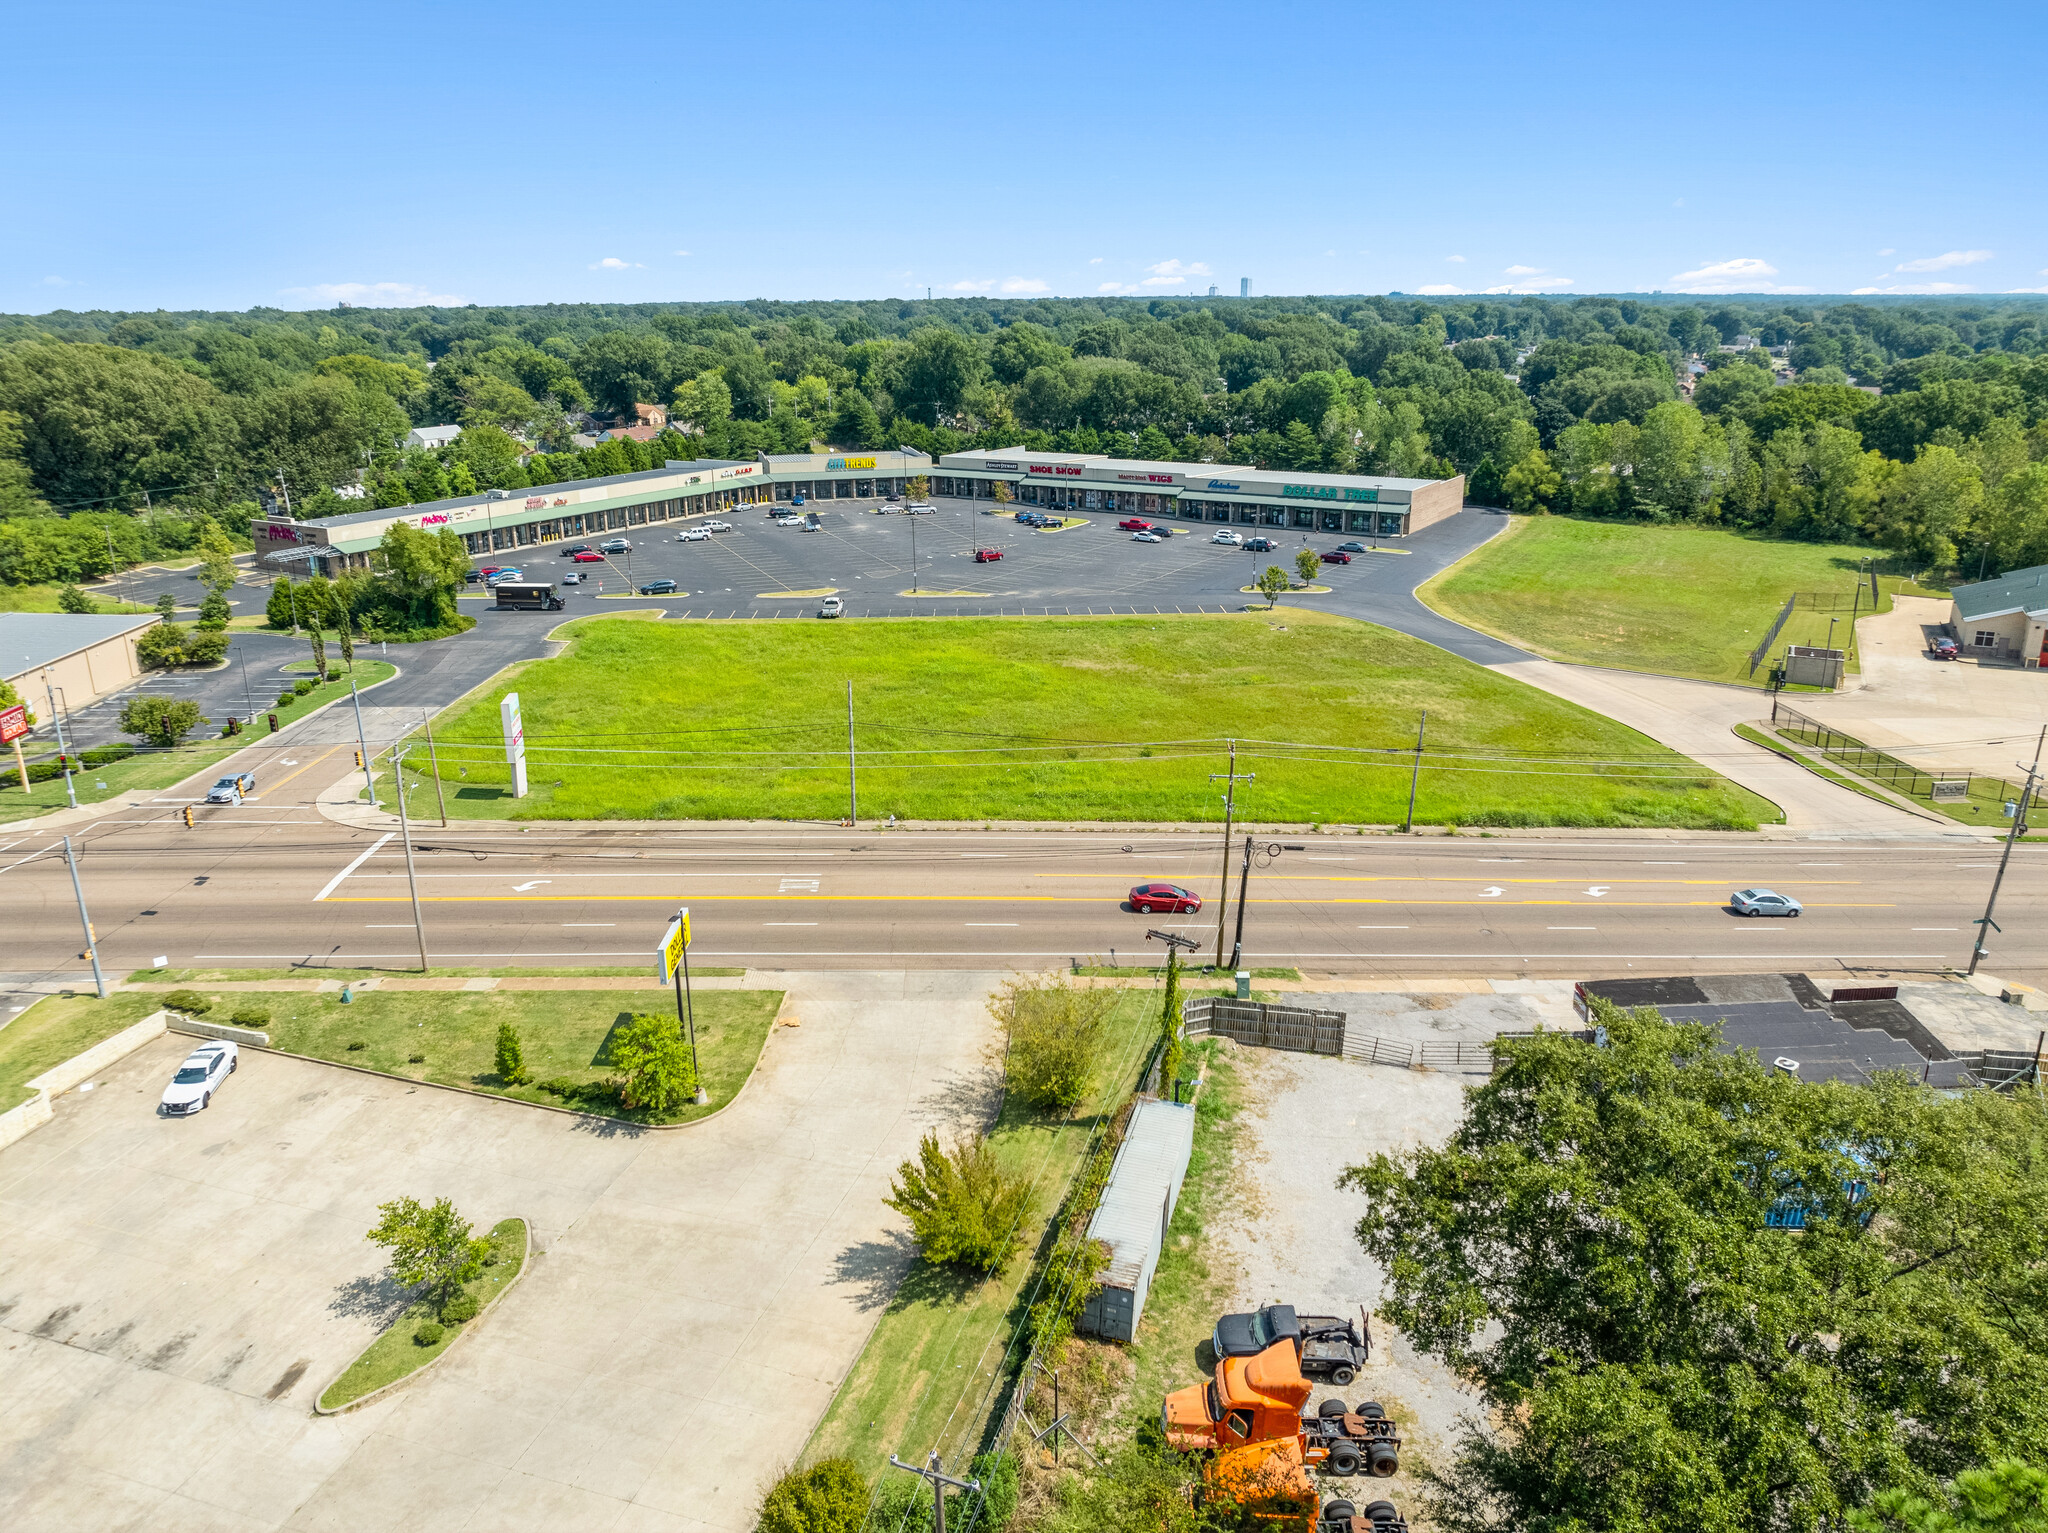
pixel 189 1002
pixel 463 1307
pixel 106 755
pixel 206 646
pixel 511 1061
pixel 962 1206
pixel 593 1096
pixel 301 688
pixel 357 1048
pixel 250 1014
pixel 653 1059
pixel 429 1332
pixel 829 1497
pixel 71 599
pixel 1054 1035
pixel 415 1059
pixel 161 645
pixel 161 720
pixel 287 697
pixel 213 611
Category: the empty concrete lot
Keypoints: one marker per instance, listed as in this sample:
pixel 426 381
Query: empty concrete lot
pixel 175 1294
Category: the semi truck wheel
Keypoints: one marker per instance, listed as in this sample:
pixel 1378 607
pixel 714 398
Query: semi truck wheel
pixel 1385 1460
pixel 1339 1510
pixel 1371 1410
pixel 1341 1375
pixel 1379 1511
pixel 1330 1408
pixel 1344 1461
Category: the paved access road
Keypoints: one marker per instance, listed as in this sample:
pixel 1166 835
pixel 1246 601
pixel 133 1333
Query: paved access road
pixel 277 882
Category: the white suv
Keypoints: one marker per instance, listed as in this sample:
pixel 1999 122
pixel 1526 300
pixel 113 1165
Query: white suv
pixel 832 608
pixel 1234 539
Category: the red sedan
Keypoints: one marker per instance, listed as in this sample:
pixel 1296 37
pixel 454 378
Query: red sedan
pixel 588 556
pixel 1337 556
pixel 1147 898
pixel 987 555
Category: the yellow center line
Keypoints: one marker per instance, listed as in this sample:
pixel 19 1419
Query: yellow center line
pixel 1442 878
pixel 306 768
pixel 1001 899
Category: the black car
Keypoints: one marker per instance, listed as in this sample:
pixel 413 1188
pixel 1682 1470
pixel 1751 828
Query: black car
pixel 658 588
pixel 571 550
pixel 1258 545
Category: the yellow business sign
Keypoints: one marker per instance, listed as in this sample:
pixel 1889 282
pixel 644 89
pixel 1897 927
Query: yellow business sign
pixel 672 944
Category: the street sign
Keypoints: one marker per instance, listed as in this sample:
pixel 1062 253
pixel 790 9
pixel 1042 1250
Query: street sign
pixel 673 941
pixel 13 723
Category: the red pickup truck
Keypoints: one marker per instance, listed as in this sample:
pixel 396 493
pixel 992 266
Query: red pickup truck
pixel 1134 524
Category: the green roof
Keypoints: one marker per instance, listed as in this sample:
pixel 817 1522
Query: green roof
pixel 2021 591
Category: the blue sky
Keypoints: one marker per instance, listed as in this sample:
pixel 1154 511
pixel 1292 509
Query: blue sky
pixel 182 155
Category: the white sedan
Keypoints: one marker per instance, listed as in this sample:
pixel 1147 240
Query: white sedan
pixel 199 1077
pixel 1145 537
pixel 694 535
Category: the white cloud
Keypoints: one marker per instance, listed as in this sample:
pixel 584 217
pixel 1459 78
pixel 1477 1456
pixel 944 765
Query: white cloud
pixel 1914 287
pixel 1520 271
pixel 58 282
pixel 1095 260
pixel 1117 287
pixel 1176 273
pixel 1024 285
pixel 1459 259
pixel 1887 251
pixel 2027 290
pixel 1945 260
pixel 1678 202
pixel 1743 274
pixel 682 252
pixel 1530 285
pixel 613 263
pixel 973 285
pixel 1438 290
pixel 378 295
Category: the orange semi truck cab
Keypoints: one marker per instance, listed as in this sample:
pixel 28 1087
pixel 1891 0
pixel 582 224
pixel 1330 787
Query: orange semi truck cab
pixel 1251 1399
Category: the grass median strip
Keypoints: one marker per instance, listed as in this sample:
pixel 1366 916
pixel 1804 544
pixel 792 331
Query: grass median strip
pixel 314 971
pixel 1115 719
pixel 57 1028
pixel 398 1352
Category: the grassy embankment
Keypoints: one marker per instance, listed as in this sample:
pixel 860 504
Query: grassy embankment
pixel 396 1353
pixel 1111 719
pixel 57 1028
pixel 153 768
pixel 1678 601
pixel 317 972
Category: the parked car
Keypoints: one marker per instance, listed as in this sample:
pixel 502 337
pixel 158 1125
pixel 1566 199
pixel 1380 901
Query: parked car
pixel 1161 531
pixel 831 607
pixel 199 1077
pixel 1147 898
pixel 718 526
pixel 1762 902
pixel 588 556
pixel 573 550
pixel 658 588
pixel 1134 524
pixel 1336 556
pixel 573 578
pixel 918 508
pixel 789 519
pixel 798 500
pixel 987 555
pixel 1942 647
pixel 1145 537
pixel 1233 539
pixel 613 546
pixel 232 789
pixel 693 535
pixel 1258 545
pixel 1350 548
pixel 471 577
pixel 498 577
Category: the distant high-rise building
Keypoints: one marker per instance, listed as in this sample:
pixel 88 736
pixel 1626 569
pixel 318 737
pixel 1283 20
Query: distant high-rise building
pixel 1244 287
pixel 1212 290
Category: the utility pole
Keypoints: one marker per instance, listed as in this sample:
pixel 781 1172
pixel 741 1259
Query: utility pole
pixel 433 760
pixel 57 723
pixel 2019 826
pixel 363 745
pixel 92 944
pixel 1273 850
pixel 405 835
pixel 935 1473
pixel 913 556
pixel 1415 776
pixel 1229 808
pixel 852 769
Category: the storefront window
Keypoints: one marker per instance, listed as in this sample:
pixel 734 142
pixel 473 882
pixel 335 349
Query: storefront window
pixel 1390 524
pixel 1303 517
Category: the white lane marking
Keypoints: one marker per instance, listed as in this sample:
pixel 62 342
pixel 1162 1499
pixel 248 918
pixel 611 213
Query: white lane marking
pixel 984 854
pixel 1491 891
pixel 1670 864
pixel 1383 928
pixel 530 884
pixel 1937 928
pixel 589 923
pixel 389 926
pixel 1596 890
pixel 335 882
pixel 1496 859
pixel 789 923
pixel 988 923
pixel 798 886
pixel 1976 864
pixel 1571 928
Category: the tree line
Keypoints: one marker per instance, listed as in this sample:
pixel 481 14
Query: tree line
pixel 119 430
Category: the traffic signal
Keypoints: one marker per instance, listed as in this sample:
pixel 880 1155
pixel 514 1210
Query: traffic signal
pixel 273 723
pixel 359 758
pixel 188 816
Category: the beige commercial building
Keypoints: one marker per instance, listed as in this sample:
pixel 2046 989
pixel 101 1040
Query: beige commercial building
pixel 2004 619
pixel 82 656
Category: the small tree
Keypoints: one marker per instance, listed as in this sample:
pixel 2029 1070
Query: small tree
pixel 71 599
pixel 918 486
pixel 161 646
pixel 962 1207
pixel 1308 564
pixel 167 607
pixel 319 650
pixel 160 720
pixel 1272 583
pixel 1170 1046
pixel 653 1060
pixel 348 640
pixel 1052 1035
pixel 216 559
pixel 511 1062
pixel 213 611
pixel 430 1247
pixel 1001 493
pixel 829 1497
pixel 281 611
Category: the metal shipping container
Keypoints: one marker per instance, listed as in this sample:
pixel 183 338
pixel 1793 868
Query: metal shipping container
pixel 1136 1208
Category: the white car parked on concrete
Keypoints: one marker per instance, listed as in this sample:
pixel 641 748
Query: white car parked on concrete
pixel 199 1077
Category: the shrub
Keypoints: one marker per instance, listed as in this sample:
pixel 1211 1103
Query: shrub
pixel 161 645
pixel 829 1497
pixel 356 1048
pixel 429 1332
pixel 511 1061
pixel 654 1063
pixel 189 1002
pixel 1054 1033
pixel 463 1307
pixel 106 755
pixel 415 1059
pixel 962 1206
pixel 206 646
pixel 250 1014
pixel 286 698
pixel 301 688
pixel 213 611
pixel 161 720
pixel 596 1096
pixel 71 599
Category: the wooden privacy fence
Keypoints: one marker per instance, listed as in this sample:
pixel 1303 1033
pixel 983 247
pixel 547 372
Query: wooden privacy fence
pixel 1300 1028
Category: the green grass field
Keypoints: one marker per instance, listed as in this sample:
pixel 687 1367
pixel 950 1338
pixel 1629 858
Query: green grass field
pixel 57 1028
pixel 1679 601
pixel 395 1353
pixel 564 1034
pixel 154 769
pixel 34 598
pixel 1104 719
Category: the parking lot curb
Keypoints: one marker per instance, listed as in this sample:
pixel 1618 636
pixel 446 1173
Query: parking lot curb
pixel 525 1261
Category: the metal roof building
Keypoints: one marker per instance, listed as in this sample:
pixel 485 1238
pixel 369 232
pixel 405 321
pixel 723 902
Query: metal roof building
pixel 80 655
pixel 1136 1209
pixel 2004 619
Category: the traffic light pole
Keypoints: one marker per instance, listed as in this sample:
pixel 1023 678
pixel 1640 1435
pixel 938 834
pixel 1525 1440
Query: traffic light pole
pixel 92 944
pixel 363 746
pixel 1985 925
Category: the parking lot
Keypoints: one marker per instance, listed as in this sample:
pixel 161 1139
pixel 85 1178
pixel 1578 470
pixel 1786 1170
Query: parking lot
pixel 176 1292
pixel 889 564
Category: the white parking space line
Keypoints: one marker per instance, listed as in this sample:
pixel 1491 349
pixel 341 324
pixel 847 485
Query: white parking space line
pixel 789 923
pixel 335 882
pixel 1571 928
pixel 567 924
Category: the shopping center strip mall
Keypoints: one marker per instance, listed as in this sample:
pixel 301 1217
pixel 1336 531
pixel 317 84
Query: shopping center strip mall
pixel 499 520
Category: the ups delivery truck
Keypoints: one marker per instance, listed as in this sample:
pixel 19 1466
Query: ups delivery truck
pixel 525 597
